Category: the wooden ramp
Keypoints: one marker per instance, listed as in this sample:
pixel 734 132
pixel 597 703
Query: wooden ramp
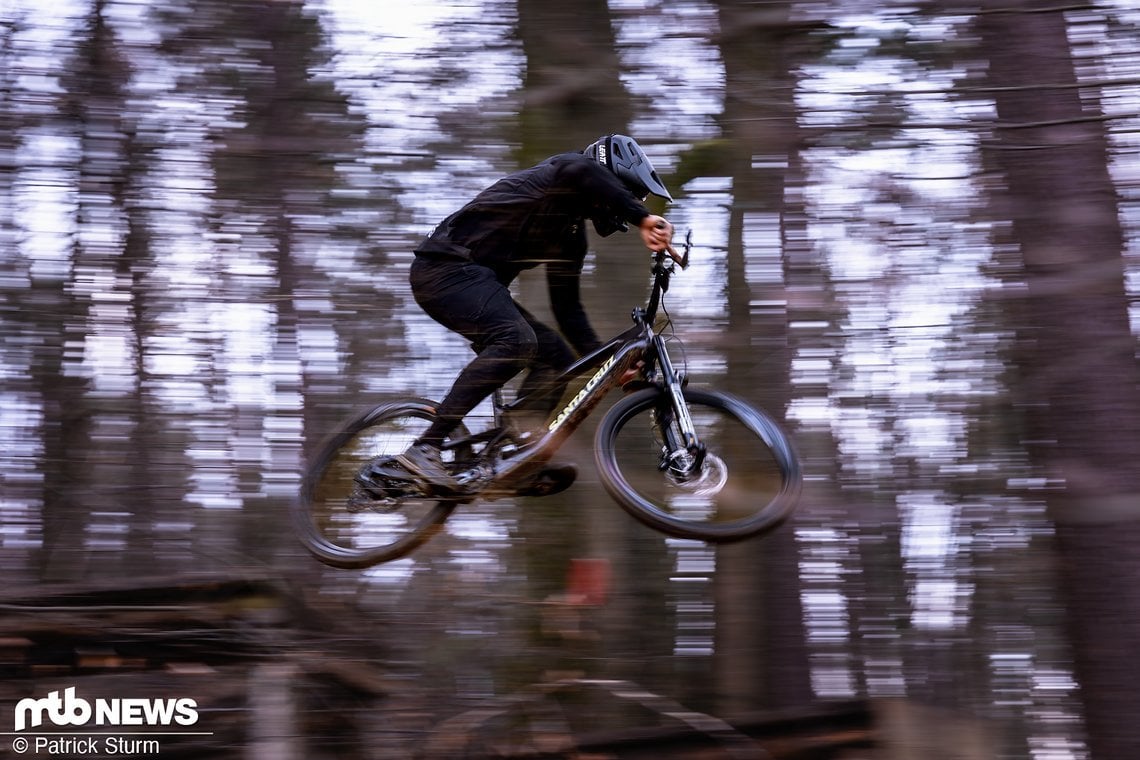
pixel 274 678
pixel 263 670
pixel 539 723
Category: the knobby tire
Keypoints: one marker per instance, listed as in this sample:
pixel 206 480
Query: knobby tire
pixel 760 466
pixel 326 486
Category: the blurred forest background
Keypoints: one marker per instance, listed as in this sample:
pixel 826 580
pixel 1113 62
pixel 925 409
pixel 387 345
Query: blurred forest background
pixel 917 231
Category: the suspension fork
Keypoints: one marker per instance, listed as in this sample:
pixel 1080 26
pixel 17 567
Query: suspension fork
pixel 685 451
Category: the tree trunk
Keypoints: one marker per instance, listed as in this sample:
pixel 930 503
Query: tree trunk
pixel 1077 360
pixel 574 91
pixel 761 654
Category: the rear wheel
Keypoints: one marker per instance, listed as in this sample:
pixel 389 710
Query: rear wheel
pixel 745 482
pixel 342 525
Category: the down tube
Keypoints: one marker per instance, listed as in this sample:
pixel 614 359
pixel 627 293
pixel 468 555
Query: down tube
pixel 567 420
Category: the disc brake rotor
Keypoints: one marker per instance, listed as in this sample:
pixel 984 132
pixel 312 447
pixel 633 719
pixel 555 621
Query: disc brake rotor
pixel 709 481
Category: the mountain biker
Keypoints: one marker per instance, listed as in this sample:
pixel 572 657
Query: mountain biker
pixel 462 271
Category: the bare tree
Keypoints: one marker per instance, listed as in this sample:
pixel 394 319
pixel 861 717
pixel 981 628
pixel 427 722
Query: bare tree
pixel 761 648
pixel 276 166
pixel 573 89
pixel 76 474
pixel 574 94
pixel 1078 358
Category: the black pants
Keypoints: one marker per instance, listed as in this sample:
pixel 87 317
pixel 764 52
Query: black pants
pixel 467 298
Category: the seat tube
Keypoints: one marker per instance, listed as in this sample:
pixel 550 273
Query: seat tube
pixel 497 409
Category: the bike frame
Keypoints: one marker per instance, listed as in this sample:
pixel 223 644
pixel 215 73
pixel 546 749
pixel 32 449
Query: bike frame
pixel 502 462
pixel 608 365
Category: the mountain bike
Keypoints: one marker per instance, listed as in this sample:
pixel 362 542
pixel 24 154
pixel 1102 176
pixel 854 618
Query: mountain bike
pixel 690 463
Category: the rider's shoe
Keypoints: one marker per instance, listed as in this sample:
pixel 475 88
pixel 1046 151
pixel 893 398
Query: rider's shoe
pixel 556 477
pixel 425 462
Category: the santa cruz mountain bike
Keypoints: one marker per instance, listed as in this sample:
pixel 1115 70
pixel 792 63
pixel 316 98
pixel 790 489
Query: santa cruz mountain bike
pixel 691 463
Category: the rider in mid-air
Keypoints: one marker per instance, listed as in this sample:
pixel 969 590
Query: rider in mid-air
pixel 462 273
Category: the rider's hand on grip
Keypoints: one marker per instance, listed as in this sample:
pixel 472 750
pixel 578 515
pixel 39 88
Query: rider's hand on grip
pixel 657 234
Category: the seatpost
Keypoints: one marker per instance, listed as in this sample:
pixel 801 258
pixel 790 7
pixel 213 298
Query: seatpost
pixel 497 409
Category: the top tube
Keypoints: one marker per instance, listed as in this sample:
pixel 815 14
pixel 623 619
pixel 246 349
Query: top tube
pixel 583 365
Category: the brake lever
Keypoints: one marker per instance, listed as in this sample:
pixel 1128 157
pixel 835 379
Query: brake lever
pixel 684 262
pixel 683 259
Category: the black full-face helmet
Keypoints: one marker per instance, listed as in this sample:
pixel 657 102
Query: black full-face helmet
pixel 625 158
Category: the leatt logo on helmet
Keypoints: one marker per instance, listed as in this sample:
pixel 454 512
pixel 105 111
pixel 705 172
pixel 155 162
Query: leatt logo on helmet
pixel 602 153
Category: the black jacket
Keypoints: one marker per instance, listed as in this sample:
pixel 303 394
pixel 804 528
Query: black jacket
pixel 537 216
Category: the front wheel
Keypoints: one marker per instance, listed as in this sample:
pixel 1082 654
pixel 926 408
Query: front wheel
pixel 744 482
pixel 342 525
